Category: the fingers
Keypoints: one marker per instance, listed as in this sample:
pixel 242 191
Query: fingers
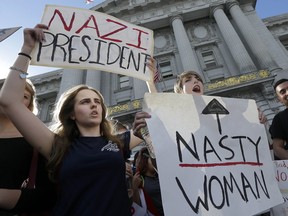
pixel 151 67
pixel 129 171
pixel 130 193
pixel 140 122
pixel 137 180
pixel 142 115
pixel 32 35
pixel 262 117
pixel 42 26
pixel 40 36
pixel 151 64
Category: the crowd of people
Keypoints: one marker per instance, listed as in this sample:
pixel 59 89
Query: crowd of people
pixel 83 153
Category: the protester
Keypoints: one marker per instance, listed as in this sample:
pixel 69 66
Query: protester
pixel 146 178
pixel 84 157
pixel 15 159
pixel 279 127
pixel 189 82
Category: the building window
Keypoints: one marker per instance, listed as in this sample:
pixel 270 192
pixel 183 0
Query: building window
pixel 166 70
pixel 285 43
pixel 209 59
pixel 49 114
pixel 124 81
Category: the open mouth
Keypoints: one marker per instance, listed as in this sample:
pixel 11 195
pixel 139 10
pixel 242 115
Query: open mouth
pixel 196 89
pixel 94 113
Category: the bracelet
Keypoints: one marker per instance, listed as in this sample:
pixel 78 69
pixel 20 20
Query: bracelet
pixel 26 55
pixel 23 74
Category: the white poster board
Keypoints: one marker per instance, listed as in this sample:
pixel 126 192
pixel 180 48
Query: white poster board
pixel 281 174
pixel 212 155
pixel 86 39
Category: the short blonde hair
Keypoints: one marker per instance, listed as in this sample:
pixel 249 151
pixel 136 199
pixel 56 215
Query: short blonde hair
pixel 178 86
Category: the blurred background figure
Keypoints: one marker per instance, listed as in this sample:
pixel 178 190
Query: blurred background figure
pixel 146 178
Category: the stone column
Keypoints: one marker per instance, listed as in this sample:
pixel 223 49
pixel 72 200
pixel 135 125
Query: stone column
pixel 187 55
pixel 255 43
pixel 93 79
pixel 70 78
pixel 235 45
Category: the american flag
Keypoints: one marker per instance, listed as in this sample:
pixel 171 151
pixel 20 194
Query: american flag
pixel 157 75
pixel 89 1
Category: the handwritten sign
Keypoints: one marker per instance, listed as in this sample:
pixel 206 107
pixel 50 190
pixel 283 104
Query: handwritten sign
pixel 281 169
pixel 87 39
pixel 212 155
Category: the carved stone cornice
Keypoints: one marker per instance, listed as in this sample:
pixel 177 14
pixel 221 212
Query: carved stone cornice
pixel 131 106
pixel 234 82
pixel 47 77
pixel 276 20
pixel 154 14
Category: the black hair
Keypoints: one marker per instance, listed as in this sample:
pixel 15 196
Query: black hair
pixel 279 82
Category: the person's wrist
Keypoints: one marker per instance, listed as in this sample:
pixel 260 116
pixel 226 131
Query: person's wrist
pixel 26 55
pixel 26 50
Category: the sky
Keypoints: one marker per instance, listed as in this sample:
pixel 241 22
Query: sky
pixel 27 13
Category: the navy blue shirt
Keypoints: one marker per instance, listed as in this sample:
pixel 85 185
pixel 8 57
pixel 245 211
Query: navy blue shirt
pixel 92 180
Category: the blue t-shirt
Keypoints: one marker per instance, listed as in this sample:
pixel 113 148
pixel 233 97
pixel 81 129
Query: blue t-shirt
pixel 92 180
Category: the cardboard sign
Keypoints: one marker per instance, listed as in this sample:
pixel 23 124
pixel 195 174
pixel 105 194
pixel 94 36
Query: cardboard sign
pixel 86 39
pixel 281 169
pixel 212 155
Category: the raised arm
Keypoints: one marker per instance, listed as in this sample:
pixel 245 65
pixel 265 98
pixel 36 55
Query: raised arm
pixel 152 65
pixel 12 93
pixel 134 140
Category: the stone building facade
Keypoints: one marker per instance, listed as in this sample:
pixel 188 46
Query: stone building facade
pixel 237 54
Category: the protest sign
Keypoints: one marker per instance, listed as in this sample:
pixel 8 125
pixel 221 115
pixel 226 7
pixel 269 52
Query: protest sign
pixel 212 155
pixel 281 169
pixel 86 39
